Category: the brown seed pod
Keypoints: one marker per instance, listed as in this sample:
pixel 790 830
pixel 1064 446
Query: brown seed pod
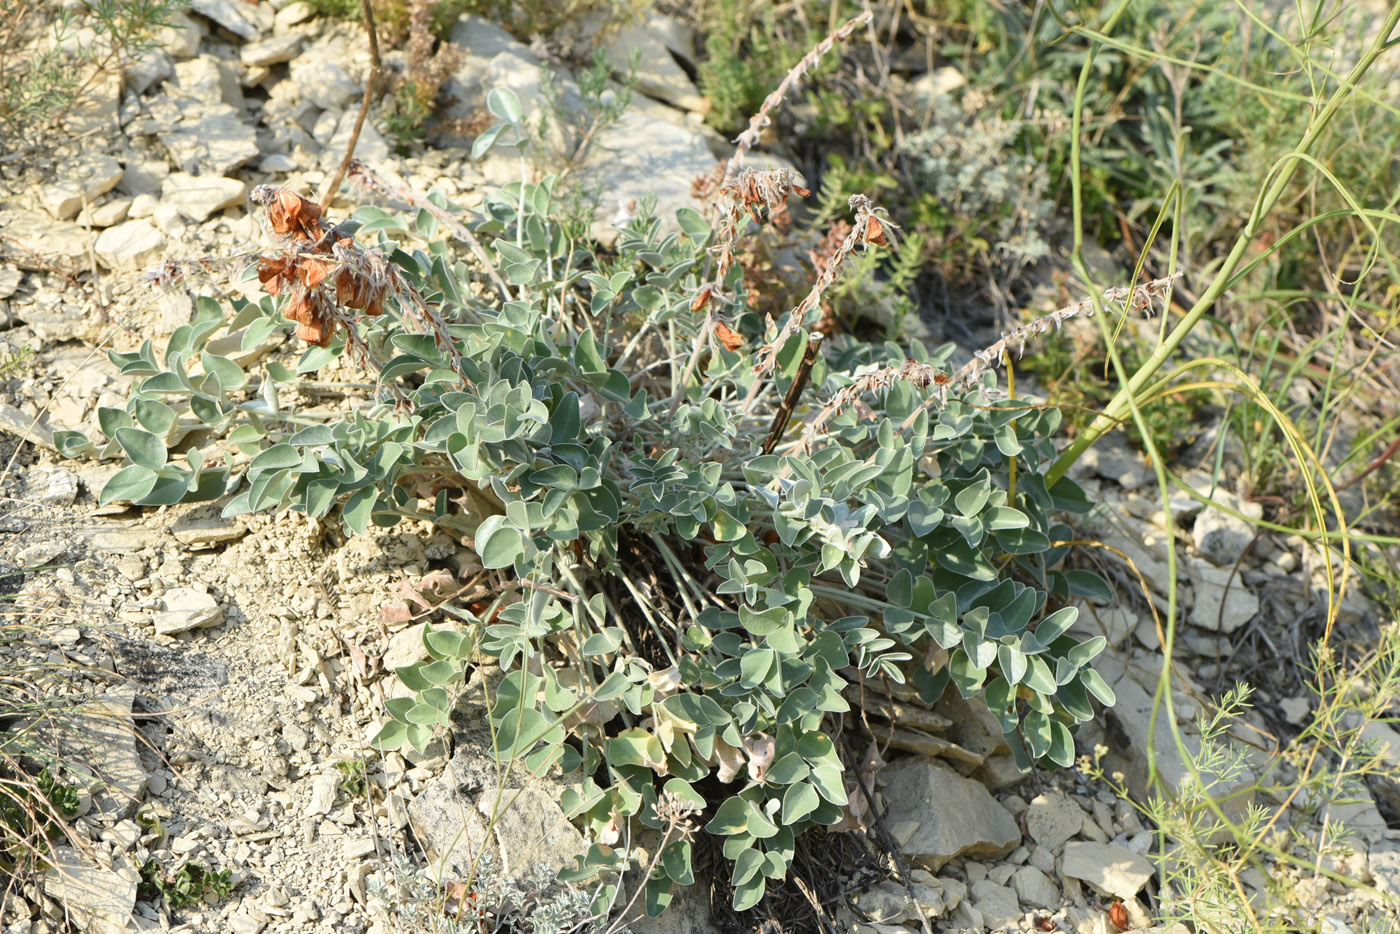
pixel 702 297
pixel 875 232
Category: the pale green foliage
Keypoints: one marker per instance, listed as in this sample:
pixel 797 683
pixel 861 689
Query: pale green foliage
pixel 532 903
pixel 991 192
pixel 918 542
pixel 50 54
pixel 1284 822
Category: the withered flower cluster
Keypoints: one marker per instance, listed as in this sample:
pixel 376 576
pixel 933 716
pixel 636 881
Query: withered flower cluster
pixel 321 269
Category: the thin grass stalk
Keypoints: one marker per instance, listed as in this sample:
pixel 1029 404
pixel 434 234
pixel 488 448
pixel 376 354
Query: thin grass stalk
pixel 1119 405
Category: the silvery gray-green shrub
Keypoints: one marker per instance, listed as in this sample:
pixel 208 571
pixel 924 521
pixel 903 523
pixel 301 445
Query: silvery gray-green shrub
pixel 557 417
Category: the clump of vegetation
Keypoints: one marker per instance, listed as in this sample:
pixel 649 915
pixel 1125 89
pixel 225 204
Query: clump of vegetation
pixel 191 884
pixel 700 522
pixel 535 902
pixel 38 796
pixel 53 55
pixel 601 420
pixel 353 777
pixel 33 808
pixel 430 62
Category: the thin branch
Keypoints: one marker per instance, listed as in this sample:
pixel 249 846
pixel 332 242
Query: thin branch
pixel 799 382
pixel 370 82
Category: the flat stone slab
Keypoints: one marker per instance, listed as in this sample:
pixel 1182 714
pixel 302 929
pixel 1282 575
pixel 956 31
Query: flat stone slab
pixel 1115 870
pixel 184 609
pixel 937 814
pixel 100 900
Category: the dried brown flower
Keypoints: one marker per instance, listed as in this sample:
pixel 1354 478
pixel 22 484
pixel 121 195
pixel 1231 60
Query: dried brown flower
pixel 702 297
pixel 727 336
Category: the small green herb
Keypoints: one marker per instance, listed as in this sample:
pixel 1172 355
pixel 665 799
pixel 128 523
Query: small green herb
pixel 187 886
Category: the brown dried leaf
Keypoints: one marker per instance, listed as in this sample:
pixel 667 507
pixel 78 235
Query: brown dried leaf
pixel 396 612
pixel 730 338
pixel 457 895
pixel 314 271
pixel 1119 916
pixel 315 332
pixel 275 272
pixel 292 215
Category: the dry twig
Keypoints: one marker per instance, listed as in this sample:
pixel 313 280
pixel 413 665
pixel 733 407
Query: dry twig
pixel 370 81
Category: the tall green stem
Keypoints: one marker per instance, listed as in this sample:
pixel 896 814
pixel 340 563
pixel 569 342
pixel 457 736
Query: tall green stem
pixel 1119 406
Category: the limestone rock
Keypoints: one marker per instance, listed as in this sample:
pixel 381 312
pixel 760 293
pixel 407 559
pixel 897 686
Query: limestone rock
pixel 1112 869
pixel 324 83
pixel 14 422
pixel 39 554
pixel 54 322
pixel 103 744
pixel 1355 810
pixel 181 37
pixel 199 196
pixel 100 900
pixel 293 14
pixel 649 43
pixel 81 185
pixel 1034 888
pixel 119 537
pixel 454 826
pixel 665 167
pixel 58 242
pixel 237 18
pixel 405 648
pixel 1222 601
pixel 277 48
pixel 323 792
pixel 184 609
pixel 149 70
pixel 370 147
pixel 1129 725
pixel 940 814
pixel 208 80
pixel 1220 537
pixel 997 904
pixel 203 139
pixel 107 214
pixel 54 487
pixel 1052 819
pixel 129 245
pixel 1112 459
pixel 200 529
pixel 480 41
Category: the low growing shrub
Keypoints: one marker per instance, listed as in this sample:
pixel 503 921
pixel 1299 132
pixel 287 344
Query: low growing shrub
pixel 685 586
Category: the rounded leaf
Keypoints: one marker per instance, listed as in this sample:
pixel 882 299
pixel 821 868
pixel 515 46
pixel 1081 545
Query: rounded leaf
pixel 144 448
pixel 498 544
pixel 130 484
pixel 503 103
